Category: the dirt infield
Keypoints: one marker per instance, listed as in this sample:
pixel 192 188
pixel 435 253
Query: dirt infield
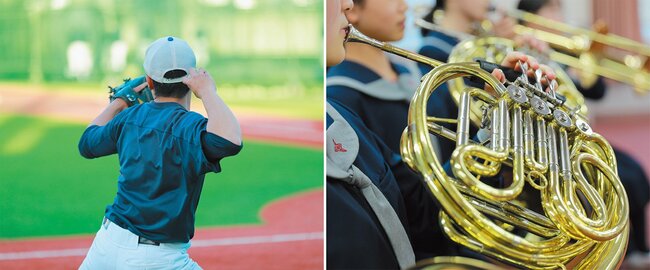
pixel 290 238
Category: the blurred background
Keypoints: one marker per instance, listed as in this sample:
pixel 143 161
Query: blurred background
pixel 255 49
pixel 57 58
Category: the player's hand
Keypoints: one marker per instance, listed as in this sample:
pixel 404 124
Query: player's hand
pixel 131 92
pixel 120 104
pixel 140 87
pixel 200 82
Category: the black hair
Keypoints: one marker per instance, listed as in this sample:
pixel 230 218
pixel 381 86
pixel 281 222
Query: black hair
pixel 531 6
pixel 440 5
pixel 176 90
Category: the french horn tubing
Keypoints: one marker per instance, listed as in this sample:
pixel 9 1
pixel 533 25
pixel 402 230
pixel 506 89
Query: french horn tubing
pixel 549 149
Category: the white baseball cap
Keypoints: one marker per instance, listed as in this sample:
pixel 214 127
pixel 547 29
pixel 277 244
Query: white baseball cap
pixel 167 54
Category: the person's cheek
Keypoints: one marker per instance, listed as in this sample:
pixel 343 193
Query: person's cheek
pixel 333 10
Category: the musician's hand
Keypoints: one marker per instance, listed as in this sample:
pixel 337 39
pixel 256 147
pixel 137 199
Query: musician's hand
pixel 513 59
pixel 547 74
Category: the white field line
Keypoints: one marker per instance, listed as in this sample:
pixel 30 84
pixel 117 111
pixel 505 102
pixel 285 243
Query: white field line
pixel 232 241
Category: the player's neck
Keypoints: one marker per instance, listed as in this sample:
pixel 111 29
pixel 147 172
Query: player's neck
pixel 184 101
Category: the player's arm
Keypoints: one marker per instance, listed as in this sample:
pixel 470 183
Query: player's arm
pixel 113 108
pixel 221 120
pixel 117 105
pixel 99 138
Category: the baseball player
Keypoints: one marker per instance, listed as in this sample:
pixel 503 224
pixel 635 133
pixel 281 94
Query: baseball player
pixel 164 151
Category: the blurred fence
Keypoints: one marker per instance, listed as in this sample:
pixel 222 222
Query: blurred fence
pixel 242 42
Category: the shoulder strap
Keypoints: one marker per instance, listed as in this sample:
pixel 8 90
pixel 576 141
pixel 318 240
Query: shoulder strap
pixel 342 145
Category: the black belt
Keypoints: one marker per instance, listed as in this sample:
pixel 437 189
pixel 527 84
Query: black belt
pixel 146 241
pixel 141 240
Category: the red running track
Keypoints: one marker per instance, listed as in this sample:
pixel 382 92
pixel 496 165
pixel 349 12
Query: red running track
pixel 291 237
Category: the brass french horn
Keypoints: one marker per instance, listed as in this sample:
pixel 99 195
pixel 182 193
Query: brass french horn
pixel 546 144
pixel 494 49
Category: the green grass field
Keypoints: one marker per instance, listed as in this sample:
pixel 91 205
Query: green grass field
pixel 47 188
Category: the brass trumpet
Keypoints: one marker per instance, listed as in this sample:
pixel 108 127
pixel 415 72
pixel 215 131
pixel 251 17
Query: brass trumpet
pixel 582 49
pixel 587 50
pixel 585 210
pixel 607 39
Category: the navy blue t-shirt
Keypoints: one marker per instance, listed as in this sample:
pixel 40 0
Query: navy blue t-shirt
pixel 164 153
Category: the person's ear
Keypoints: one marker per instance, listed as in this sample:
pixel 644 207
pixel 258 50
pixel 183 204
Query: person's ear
pixel 150 85
pixel 149 82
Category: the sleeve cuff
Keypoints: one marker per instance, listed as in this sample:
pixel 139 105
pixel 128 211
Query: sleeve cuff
pixel 216 147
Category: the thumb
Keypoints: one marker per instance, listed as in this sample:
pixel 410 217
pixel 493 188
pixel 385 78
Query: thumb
pixel 498 74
